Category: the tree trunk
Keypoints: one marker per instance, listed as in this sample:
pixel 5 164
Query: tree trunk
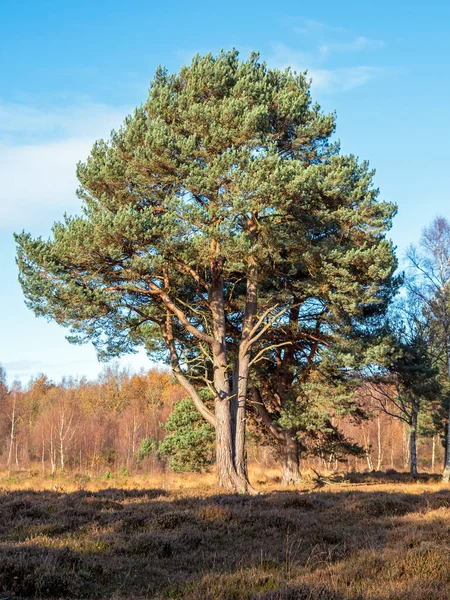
pixel 240 386
pixel 12 435
pixel 367 448
pixel 380 453
pixel 406 447
pixel 433 452
pixel 413 436
pixel 285 442
pixel 52 452
pixel 228 476
pixel 446 473
pixel 239 425
pixel 290 463
pixel 229 385
pixel 62 455
pixel 43 455
pixel 392 445
pixel 413 450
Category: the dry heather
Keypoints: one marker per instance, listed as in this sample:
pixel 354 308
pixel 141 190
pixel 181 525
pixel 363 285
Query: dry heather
pixel 371 539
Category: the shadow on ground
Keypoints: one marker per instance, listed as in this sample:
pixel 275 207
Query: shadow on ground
pixel 343 544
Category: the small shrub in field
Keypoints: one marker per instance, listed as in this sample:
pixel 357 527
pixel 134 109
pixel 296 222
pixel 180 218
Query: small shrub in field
pixel 189 441
pixel 147 448
pixel 215 512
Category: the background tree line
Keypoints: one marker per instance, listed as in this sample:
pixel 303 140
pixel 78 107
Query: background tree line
pixel 84 426
pixel 125 422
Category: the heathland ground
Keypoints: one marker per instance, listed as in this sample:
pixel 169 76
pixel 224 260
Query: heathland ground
pixel 375 536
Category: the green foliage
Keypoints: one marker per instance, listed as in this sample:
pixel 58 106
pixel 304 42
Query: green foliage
pixel 406 381
pixel 309 416
pixel 189 441
pixel 414 370
pixel 146 448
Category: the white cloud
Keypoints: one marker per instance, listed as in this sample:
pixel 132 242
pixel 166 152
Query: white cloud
pixel 22 365
pixel 37 179
pixel 39 150
pixel 357 44
pixel 324 42
pixel 22 123
pixel 312 27
pixel 323 79
pixel 335 39
pixel 341 80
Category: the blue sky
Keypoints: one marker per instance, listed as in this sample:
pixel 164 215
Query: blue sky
pixel 71 71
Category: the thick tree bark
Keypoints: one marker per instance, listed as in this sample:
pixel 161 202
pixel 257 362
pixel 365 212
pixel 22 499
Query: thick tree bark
pixel 227 476
pixel 230 417
pixel 240 398
pixel 290 461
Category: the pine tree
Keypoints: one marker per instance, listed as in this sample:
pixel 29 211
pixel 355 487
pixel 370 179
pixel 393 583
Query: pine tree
pixel 217 215
pixel 405 382
pixel 189 441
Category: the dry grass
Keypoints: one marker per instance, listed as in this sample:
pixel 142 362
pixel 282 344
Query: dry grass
pixel 376 537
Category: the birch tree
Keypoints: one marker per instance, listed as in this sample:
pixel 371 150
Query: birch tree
pixel 429 264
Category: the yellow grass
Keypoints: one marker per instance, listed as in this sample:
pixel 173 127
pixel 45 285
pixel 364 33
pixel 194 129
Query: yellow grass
pixel 177 536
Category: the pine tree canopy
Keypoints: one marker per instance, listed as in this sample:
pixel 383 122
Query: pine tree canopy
pixel 228 155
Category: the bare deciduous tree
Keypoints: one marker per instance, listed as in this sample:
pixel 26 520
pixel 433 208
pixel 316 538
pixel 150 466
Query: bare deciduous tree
pixel 430 284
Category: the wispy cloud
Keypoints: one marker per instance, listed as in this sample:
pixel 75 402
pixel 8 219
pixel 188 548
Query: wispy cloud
pixel 313 27
pixel 22 123
pixel 355 45
pixel 22 365
pixel 39 147
pixel 324 80
pixel 341 80
pixel 39 181
pixel 337 39
pixel 325 42
pixel 39 150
